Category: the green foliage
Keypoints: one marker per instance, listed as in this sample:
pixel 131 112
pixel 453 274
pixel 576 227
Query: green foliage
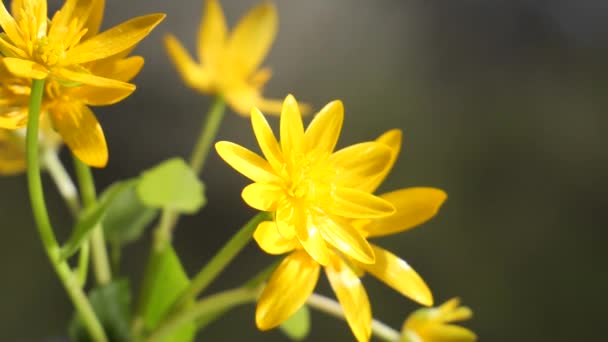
pixel 126 218
pixel 172 185
pixel 171 280
pixel 111 304
pixel 297 326
pixel 90 217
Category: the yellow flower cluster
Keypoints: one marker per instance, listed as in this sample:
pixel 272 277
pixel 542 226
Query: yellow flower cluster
pixel 433 324
pixel 81 66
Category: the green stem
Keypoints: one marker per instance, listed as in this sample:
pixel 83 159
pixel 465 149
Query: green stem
pixel 62 180
pixel 83 262
pixel 45 230
pixel 217 264
pixel 330 306
pixel 101 263
pixel 208 134
pixel 218 302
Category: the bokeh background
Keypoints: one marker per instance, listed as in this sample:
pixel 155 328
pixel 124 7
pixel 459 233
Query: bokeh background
pixel 503 104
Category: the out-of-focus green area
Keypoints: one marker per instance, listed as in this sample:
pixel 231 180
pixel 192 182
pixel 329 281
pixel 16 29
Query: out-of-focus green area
pixel 503 104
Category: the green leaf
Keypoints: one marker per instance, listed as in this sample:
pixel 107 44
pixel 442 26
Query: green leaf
pixel 111 304
pixel 163 291
pixel 172 185
pixel 297 326
pixel 90 217
pixel 126 218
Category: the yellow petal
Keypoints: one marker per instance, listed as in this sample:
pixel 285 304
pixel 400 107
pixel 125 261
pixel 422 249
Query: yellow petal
pixel 95 19
pixel 73 13
pixel 310 237
pixel 96 96
pixel 272 106
pixel 114 40
pixel 13 117
pixel 246 162
pixel 83 77
pixel 292 130
pixel 194 76
pixel 414 206
pixel 7 48
pixel 324 129
pixel 287 290
pixel 285 218
pixel 358 163
pixel 212 33
pixel 252 38
pixel 9 26
pixel 392 139
pixel 397 274
pixel 266 139
pixel 120 69
pixel 262 196
pixel 341 235
pixel 352 296
pixel 268 238
pixel 82 133
pixel 24 68
pixel 449 333
pixel 353 203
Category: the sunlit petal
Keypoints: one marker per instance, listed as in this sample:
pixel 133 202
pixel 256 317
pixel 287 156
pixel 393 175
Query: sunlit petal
pixel 285 218
pixel 266 139
pixel 114 40
pixel 24 68
pixel 96 96
pixel 121 69
pixel 90 79
pixel 345 238
pixel 82 133
pixel 287 290
pixel 357 163
pixel 323 131
pixel 212 33
pixel 292 129
pixel 352 296
pixel 74 13
pixel 93 23
pixel 392 139
pixel 414 206
pixel 262 196
pixel 311 237
pixel 397 274
pixel 9 25
pixel 246 162
pixel 353 203
pixel 252 38
pixel 268 238
pixel 195 76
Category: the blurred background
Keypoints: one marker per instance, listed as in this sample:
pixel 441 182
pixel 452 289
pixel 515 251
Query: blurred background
pixel 502 103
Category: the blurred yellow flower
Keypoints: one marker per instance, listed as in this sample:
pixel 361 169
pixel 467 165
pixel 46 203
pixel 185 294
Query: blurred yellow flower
pixel 36 48
pixel 433 324
pixel 324 211
pixel 229 62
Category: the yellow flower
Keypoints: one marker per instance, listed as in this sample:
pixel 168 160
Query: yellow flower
pixel 229 62
pixel 324 211
pixel 37 48
pixel 433 324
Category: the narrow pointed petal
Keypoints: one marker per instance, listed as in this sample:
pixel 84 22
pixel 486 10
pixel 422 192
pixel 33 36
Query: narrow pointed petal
pixel 16 6
pixel 353 203
pixel 114 40
pixel 120 69
pixel 262 196
pixel 7 49
pixel 24 68
pixel 358 163
pixel 93 24
pixel 414 206
pixel 352 296
pixel 72 11
pixel 392 139
pixel 9 25
pixel 268 238
pixel 90 79
pixel 246 162
pixel 252 38
pixel 449 333
pixel 340 234
pixel 212 33
pixel 266 139
pixel 292 129
pixel 311 238
pixel 96 96
pixel 191 73
pixel 396 273
pixel 285 218
pixel 82 133
pixel 287 290
pixel 324 129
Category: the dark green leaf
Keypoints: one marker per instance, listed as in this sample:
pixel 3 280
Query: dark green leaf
pixel 90 217
pixel 163 291
pixel 297 326
pixel 172 185
pixel 126 218
pixel 111 304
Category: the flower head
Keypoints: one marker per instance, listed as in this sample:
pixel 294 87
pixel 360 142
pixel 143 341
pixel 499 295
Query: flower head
pixel 324 211
pixel 228 62
pixel 37 48
pixel 433 324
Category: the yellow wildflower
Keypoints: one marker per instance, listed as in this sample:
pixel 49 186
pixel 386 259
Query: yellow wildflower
pixel 229 62
pixel 37 48
pixel 324 211
pixel 433 324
